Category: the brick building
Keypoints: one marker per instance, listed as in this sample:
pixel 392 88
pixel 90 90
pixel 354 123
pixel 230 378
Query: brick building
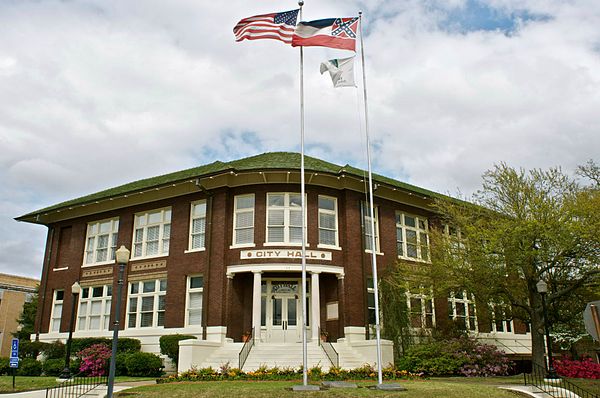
pixel 14 292
pixel 215 253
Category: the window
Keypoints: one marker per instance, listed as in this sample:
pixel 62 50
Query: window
pixel 421 309
pixel 146 304
pixel 197 225
pixel 500 321
pixel 152 233
pixel 368 233
pixel 284 218
pixel 94 308
pixel 461 309
pixel 328 233
pixel 370 302
pixel 243 220
pixel 57 308
pixel 101 241
pixel 412 240
pixel 194 300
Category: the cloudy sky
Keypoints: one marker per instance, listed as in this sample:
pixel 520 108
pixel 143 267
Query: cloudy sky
pixel 96 93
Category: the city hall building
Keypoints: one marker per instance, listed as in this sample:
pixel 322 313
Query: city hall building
pixel 216 253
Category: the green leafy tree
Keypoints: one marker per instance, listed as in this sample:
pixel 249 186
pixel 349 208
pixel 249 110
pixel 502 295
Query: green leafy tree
pixel 523 227
pixel 27 319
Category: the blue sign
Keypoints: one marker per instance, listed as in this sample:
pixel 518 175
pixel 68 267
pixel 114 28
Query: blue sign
pixel 14 348
pixel 14 362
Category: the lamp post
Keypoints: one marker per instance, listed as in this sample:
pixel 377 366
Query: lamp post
pixel 122 259
pixel 542 288
pixel 75 290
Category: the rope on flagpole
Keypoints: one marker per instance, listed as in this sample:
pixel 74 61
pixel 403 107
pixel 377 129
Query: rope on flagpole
pixel 372 208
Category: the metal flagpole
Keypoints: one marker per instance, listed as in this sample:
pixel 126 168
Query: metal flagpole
pixel 303 199
pixel 372 208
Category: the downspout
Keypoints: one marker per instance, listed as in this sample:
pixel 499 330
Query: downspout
pixel 42 290
pixel 208 245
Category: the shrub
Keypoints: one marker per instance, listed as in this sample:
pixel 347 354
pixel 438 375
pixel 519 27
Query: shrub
pixel 53 367
pixel 144 364
pixel 31 349
pixel 4 366
pixel 169 345
pixel 585 368
pixel 121 365
pixel 29 367
pixel 80 344
pixel 128 345
pixel 54 350
pixel 94 360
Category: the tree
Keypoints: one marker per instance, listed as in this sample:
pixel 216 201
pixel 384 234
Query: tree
pixel 27 319
pixel 522 227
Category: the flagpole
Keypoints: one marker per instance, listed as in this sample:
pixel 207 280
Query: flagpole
pixel 372 208
pixel 303 199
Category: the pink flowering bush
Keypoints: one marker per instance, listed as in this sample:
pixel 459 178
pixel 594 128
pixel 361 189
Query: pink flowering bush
pixel 94 360
pixel 585 368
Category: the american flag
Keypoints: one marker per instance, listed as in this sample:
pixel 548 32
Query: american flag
pixel 278 26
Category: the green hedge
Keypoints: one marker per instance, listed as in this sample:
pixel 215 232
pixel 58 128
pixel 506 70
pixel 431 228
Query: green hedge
pixel 29 367
pixel 143 364
pixel 31 349
pixel 169 345
pixel 124 344
pixel 53 367
pixel 4 366
pixel 54 350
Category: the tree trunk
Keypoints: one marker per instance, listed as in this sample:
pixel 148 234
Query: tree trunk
pixel 537 329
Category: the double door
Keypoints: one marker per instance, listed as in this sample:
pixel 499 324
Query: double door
pixel 285 319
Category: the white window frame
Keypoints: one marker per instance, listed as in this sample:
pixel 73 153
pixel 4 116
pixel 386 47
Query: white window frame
pixel 286 219
pixel 93 234
pixel 467 301
pixel 157 293
pixel 193 218
pixel 189 291
pixel 87 300
pixel 141 222
pixel 56 316
pixel 423 299
pixel 329 212
pixel 421 230
pixel 505 323
pixel 236 213
pixel 367 221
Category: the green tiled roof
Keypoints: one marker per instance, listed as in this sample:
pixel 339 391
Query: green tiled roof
pixel 265 161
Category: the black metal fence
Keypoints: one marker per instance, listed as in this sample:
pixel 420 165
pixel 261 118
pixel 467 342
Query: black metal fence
pixel 245 351
pixel 330 351
pixel 557 388
pixel 76 386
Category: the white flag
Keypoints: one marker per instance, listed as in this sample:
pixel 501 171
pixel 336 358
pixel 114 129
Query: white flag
pixel 341 71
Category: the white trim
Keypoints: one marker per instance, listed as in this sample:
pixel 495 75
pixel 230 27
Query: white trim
pixel 287 211
pixel 192 219
pixel 55 302
pixel 195 250
pixel 286 267
pixel 161 252
pixel 377 252
pixel 60 269
pixel 235 215
pixel 283 244
pixel 188 291
pixel 333 212
pixel 112 238
pixel 321 246
pixel 242 246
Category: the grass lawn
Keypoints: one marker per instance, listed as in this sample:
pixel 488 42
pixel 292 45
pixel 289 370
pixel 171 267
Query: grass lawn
pixel 258 389
pixel 27 383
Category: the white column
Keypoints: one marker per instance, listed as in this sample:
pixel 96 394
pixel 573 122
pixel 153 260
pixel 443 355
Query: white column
pixel 256 292
pixel 315 305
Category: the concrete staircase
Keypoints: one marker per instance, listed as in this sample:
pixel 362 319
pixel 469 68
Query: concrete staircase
pixel 229 353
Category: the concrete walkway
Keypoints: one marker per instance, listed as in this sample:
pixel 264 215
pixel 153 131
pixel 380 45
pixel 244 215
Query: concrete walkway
pixel 118 387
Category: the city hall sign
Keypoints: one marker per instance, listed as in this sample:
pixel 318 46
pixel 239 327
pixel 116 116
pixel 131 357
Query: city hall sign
pixel 284 253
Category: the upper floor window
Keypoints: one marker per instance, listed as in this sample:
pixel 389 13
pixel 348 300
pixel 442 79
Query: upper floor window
pixel 500 319
pixel 243 220
pixel 57 308
pixel 198 225
pixel 368 229
pixel 194 300
pixel 152 233
pixel 284 218
pixel 146 307
pixel 328 224
pixel 412 240
pixel 101 241
pixel 461 309
pixel 421 309
pixel 94 308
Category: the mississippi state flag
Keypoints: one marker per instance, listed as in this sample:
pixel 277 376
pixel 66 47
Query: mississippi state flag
pixel 333 32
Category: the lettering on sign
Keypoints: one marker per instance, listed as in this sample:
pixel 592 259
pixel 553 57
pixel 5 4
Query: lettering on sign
pixel 284 253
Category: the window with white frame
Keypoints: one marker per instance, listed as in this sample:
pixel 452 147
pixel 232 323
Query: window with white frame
pixel 57 309
pixel 370 302
pixel 101 241
pixel 94 308
pixel 152 233
pixel 328 224
pixel 461 309
pixel 195 288
pixel 421 309
pixel 368 229
pixel 243 220
pixel 500 320
pixel 197 225
pixel 146 306
pixel 412 239
pixel 284 218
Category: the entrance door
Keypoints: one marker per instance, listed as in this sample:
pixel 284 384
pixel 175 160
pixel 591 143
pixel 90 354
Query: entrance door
pixel 284 326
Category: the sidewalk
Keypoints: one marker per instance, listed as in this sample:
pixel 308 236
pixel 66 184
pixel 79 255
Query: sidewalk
pixel 118 387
